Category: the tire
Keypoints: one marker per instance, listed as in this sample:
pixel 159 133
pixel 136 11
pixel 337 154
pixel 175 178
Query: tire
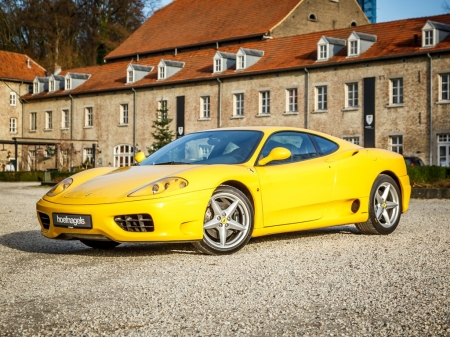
pixel 96 244
pixel 228 222
pixel 385 207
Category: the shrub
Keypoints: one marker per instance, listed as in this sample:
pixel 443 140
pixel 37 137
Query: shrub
pixel 420 175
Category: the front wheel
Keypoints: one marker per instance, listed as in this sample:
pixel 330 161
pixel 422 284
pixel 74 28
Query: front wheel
pixel 385 207
pixel 228 223
pixel 96 244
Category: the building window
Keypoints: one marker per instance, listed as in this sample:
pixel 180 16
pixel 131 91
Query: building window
pixel 13 125
pixel 217 65
pixel 265 102
pixel 445 87
pixel 162 73
pixel 323 52
pixel 88 157
pixel 353 48
pixel 12 98
pixel 48 120
pixel 88 116
pixel 64 119
pixel 443 143
pixel 123 155
pixel 36 88
pixel 130 76
pixel 352 95
pixel 206 105
pixel 429 38
pixel 241 62
pixel 33 121
pixel 352 139
pixel 162 108
pixel 52 86
pixel 124 114
pixel 239 104
pixel 396 144
pixel 321 98
pixel 292 100
pixel 67 83
pixel 397 91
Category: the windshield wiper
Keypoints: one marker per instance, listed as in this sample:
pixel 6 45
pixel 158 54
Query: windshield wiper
pixel 172 163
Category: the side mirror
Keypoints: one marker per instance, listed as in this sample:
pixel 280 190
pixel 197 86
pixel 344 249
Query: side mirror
pixel 139 157
pixel 278 153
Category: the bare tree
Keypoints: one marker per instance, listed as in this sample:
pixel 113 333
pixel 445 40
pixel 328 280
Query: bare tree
pixel 446 5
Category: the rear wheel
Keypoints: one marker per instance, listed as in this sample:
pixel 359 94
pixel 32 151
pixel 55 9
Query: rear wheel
pixel 385 207
pixel 228 223
pixel 100 244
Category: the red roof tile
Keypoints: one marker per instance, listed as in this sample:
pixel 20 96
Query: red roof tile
pixel 192 22
pixel 14 66
pixel 394 39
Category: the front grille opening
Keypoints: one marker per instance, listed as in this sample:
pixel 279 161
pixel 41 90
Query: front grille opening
pixel 45 220
pixel 135 222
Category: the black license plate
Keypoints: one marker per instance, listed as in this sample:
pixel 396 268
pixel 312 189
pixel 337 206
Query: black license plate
pixel 72 220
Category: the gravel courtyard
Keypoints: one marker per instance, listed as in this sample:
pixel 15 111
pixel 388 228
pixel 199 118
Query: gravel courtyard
pixel 331 282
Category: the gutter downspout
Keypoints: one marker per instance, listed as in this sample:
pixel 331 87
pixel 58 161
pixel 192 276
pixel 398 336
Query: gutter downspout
pixel 71 117
pixel 307 99
pixel 134 121
pixel 431 108
pixel 219 117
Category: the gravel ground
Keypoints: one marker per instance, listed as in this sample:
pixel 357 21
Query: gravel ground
pixel 331 282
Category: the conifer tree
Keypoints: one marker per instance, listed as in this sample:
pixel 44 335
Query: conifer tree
pixel 161 125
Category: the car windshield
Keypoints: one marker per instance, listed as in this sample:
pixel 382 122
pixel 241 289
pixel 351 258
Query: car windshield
pixel 206 148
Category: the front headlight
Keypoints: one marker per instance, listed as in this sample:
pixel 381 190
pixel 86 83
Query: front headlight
pixel 60 187
pixel 159 186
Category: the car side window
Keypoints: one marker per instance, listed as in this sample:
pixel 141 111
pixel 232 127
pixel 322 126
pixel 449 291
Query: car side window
pixel 298 143
pixel 325 146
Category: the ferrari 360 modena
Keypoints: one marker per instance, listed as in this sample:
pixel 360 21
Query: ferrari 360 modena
pixel 219 188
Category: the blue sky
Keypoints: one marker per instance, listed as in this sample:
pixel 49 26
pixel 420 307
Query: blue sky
pixel 390 10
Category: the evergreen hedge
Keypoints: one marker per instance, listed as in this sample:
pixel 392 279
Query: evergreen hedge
pixel 427 174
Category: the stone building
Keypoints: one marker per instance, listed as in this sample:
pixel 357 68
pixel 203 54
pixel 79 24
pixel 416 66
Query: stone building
pixel 311 64
pixel 17 72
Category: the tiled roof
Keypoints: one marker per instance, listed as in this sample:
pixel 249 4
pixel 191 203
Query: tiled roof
pixel 394 39
pixel 193 22
pixel 14 67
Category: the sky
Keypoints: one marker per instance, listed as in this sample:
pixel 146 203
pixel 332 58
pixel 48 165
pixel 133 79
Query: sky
pixel 390 10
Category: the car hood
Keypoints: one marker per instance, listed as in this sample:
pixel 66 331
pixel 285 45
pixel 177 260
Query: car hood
pixel 116 185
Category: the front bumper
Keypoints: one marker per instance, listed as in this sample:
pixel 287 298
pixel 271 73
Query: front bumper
pixel 175 218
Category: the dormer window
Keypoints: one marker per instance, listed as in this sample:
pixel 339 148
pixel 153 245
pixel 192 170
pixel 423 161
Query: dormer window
pixel 433 33
pixel 167 68
pixel 40 84
pixel 358 43
pixel 36 88
pixel 327 47
pixel 247 57
pixel 67 84
pixel 74 80
pixel 52 86
pixel 136 72
pixel 223 61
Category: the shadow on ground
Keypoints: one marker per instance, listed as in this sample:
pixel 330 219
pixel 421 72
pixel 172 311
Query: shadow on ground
pixel 34 242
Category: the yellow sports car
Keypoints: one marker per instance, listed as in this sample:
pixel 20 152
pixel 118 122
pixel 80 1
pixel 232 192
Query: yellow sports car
pixel 218 188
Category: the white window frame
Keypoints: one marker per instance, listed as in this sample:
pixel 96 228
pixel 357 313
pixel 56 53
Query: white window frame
pixel 444 87
pixel 88 154
pixel 68 84
pixel 239 101
pixel 130 76
pixel 205 103
pixel 264 102
pixel 218 65
pixel 353 48
pixel 240 62
pixel 351 95
pixel 352 139
pixel 65 123
pixel 123 155
pixel 36 88
pixel 443 143
pixel 162 103
pixel 48 120
pixel 33 121
pixel 13 125
pixel 124 114
pixel 12 98
pixel 52 86
pixel 396 91
pixel 396 143
pixel 161 72
pixel 88 116
pixel 321 100
pixel 429 37
pixel 323 52
pixel 292 100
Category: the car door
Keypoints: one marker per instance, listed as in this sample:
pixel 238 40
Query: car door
pixel 299 188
